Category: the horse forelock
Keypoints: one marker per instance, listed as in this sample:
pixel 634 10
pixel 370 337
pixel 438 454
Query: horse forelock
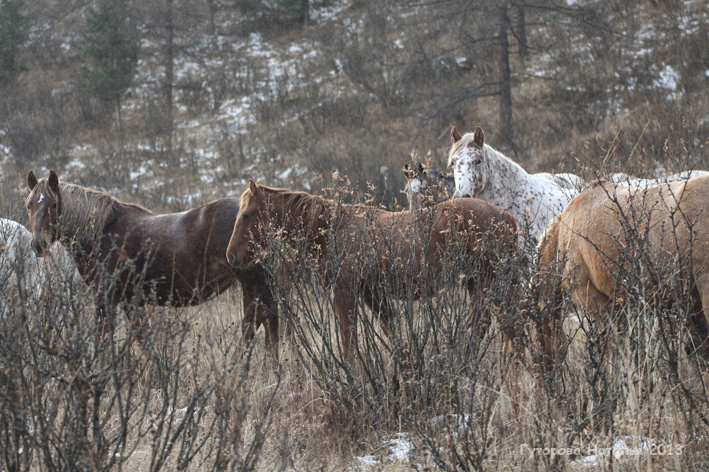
pixel 41 188
pixel 462 143
pixel 491 154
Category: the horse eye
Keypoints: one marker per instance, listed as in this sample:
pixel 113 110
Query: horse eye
pixel 478 162
pixel 247 217
pixel 53 206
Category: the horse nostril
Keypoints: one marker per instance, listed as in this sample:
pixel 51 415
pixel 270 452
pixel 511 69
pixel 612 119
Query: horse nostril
pixel 231 257
pixel 467 195
pixel 38 249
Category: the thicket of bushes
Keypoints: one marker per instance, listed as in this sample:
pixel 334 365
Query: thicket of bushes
pixel 596 87
pixel 448 381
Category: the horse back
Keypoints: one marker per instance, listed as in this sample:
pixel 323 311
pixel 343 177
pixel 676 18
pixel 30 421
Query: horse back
pixel 596 227
pixel 481 216
pixel 182 255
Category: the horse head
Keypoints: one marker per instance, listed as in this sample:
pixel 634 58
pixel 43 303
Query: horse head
pixel 266 213
pixel 44 205
pixel 416 182
pixel 470 167
pixel 247 227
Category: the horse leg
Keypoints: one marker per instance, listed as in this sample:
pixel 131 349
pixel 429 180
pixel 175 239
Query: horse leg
pixel 699 325
pixel 248 330
pixel 345 305
pixel 479 326
pixel 136 315
pixel 379 306
pixel 552 308
pixel 550 266
pixel 596 305
pixel 260 308
pixel 267 315
pixel 105 319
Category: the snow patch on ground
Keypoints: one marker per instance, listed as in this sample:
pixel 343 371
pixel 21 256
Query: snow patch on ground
pixel 669 78
pixel 399 447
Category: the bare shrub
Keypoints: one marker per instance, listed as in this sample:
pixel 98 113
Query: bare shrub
pixel 442 355
pixel 151 391
pixel 39 125
pixel 647 353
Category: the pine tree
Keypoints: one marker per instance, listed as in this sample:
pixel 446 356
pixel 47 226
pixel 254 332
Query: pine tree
pixel 110 45
pixel 300 8
pixel 13 33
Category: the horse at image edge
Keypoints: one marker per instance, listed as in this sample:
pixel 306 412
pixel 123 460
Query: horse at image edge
pixel 24 276
pixel 127 253
pixel 585 244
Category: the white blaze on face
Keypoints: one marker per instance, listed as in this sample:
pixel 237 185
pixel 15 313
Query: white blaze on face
pixel 412 189
pixel 415 185
pixel 467 174
pixel 41 197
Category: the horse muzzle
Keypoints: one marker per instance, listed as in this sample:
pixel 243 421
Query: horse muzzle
pixel 235 261
pixel 39 248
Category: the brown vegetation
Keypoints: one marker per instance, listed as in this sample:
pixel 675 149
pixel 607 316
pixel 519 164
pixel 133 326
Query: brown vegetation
pixel 595 87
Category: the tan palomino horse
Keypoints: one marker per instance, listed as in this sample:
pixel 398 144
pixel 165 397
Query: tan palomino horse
pixel 594 241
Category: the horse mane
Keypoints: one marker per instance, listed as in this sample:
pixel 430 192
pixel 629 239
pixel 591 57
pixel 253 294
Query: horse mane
pixel 294 202
pixel 84 211
pixel 468 138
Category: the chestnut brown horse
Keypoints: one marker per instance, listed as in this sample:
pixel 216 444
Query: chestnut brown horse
pixel 592 244
pixel 125 253
pixel 362 249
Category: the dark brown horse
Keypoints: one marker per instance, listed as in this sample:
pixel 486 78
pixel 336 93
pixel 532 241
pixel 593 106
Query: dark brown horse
pixel 362 249
pixel 125 253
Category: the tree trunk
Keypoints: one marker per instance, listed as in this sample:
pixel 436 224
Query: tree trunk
pixel 212 26
pixel 505 80
pixel 169 73
pixel 118 113
pixel 521 33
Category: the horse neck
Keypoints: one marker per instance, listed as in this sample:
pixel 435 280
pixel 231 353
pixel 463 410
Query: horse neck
pixel 312 225
pixel 84 216
pixel 508 184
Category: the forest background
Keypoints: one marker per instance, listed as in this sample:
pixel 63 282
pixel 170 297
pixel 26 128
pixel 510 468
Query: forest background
pixel 176 102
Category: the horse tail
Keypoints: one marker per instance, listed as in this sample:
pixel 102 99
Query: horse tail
pixel 545 254
pixel 546 279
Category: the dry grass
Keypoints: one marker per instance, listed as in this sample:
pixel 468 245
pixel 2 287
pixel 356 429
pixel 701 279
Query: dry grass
pixel 459 404
pixel 488 414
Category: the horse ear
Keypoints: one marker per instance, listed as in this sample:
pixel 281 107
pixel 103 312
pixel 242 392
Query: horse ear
pixel 53 181
pixel 479 137
pixel 31 181
pixel 255 188
pixel 455 135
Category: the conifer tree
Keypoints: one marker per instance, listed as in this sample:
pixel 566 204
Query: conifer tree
pixel 13 33
pixel 110 45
